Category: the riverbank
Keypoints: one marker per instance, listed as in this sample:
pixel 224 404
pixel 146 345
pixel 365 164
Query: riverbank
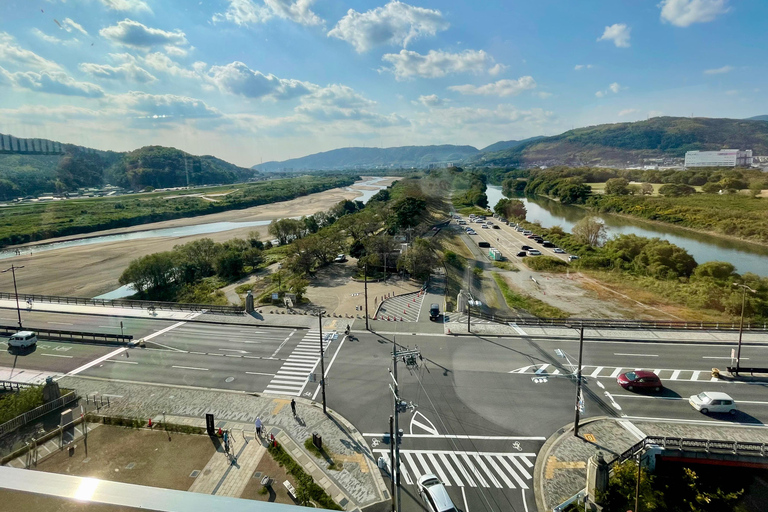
pixel 91 270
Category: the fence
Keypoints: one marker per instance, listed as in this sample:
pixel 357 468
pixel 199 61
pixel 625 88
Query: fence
pixel 705 445
pixel 597 323
pixel 19 421
pixel 7 385
pixel 54 334
pixel 125 303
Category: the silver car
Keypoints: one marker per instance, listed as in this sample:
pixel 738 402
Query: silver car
pixel 435 497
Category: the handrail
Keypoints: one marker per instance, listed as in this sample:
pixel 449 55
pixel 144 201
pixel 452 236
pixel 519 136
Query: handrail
pixel 120 303
pixel 35 413
pixel 69 335
pixel 683 443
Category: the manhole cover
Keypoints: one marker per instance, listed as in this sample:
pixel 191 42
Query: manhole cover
pixel 229 379
pixel 130 465
pixel 257 474
pixel 194 473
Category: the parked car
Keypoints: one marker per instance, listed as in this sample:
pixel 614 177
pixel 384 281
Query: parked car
pixel 548 244
pixel 435 497
pixel 522 254
pixel 639 379
pixel 559 250
pixel 485 226
pixel 495 227
pixel 434 312
pixel 341 258
pixel 534 252
pixel 519 229
pixel 527 232
pixel 572 257
pixel 526 248
pixel 490 222
pixel 473 232
pixel 483 244
pixel 713 401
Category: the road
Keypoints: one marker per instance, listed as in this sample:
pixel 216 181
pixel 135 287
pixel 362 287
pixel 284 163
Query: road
pixel 481 411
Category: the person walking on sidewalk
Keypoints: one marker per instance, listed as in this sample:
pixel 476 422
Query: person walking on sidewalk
pixel 226 441
pixel 258 426
pixel 293 406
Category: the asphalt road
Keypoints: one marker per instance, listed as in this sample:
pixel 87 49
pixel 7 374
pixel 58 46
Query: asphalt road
pixel 481 411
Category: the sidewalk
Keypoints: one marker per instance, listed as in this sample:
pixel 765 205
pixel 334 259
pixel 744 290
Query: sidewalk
pixel 561 466
pixel 356 486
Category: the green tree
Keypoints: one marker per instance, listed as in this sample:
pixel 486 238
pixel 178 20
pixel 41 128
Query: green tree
pixel 407 212
pixel 419 259
pixel 151 271
pixel 229 264
pixel 646 189
pixel 590 231
pixel 676 190
pixel 717 270
pixel 617 187
pixel 664 260
pixel 286 230
pixel 622 484
pixel 510 209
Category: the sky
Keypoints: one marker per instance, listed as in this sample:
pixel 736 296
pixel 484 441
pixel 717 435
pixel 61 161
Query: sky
pixel 251 81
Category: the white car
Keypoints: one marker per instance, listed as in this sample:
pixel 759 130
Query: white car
pixel 713 401
pixel 534 252
pixel 435 497
pixel 23 339
pixel 559 250
pixel 341 258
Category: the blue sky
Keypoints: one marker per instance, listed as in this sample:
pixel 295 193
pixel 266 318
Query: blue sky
pixel 253 80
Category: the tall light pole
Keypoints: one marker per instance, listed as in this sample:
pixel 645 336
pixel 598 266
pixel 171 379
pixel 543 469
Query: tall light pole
pixel 13 270
pixel 741 322
pixel 322 356
pixel 578 379
pixel 365 283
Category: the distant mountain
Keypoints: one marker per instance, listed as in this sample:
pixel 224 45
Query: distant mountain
pixel 37 166
pixel 355 158
pixel 758 118
pixel 507 144
pixel 625 143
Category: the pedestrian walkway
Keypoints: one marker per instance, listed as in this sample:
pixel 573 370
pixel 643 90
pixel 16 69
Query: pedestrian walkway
pixel 405 307
pixel 293 376
pixel 461 318
pixel 611 372
pixel 227 475
pixel 20 376
pixel 467 469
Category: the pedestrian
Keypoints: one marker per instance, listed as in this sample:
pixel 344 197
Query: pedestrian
pixel 226 441
pixel 258 426
pixel 293 406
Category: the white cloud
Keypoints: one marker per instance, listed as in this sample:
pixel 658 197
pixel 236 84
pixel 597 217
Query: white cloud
pixel 394 24
pixel 127 5
pixel 137 35
pixel 431 100
pixel 502 115
pixel 618 33
pixel 13 53
pixel 543 95
pixel 683 13
pixel 127 71
pixel 579 67
pixel 407 64
pixel 613 88
pixel 237 78
pixel 52 82
pixel 246 12
pixel 628 111
pixel 163 106
pixel 161 62
pixel 69 25
pixel 175 51
pixel 45 37
pixel 719 71
pixel 337 103
pixel 497 69
pixel 500 88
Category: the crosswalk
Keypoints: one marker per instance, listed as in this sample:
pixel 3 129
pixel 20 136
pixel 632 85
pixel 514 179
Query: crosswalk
pixel 611 372
pixel 406 307
pixel 293 376
pixel 466 469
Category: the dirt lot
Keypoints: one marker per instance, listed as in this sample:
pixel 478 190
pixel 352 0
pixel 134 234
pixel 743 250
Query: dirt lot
pixel 90 270
pixel 141 457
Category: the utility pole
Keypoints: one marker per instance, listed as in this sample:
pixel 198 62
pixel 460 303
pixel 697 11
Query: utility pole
pixel 392 458
pixel 637 484
pixel 365 282
pixel 469 312
pixel 322 358
pixel 741 322
pixel 13 270
pixel 578 382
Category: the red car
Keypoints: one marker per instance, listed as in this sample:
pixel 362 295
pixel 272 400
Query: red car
pixel 640 379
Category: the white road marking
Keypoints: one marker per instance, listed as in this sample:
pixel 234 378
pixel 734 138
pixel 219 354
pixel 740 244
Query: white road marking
pixel 615 373
pixel 463 436
pixel 695 375
pixel 56 355
pixel 191 368
pixel 430 427
pixel 259 373
pixel 234 350
pixel 675 374
pixel 97 361
pixel 466 508
pixel 632 429
pixel 637 355
pixel 721 357
pixel 328 369
pixel 59 323
pixel 597 371
pixel 113 396
pixel 283 343
pixel 119 361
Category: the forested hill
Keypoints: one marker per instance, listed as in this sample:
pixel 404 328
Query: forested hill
pixel 618 144
pixel 65 168
pixel 352 158
pixel 507 144
pixel 758 118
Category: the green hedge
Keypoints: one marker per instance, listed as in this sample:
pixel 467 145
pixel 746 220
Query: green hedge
pixel 17 403
pixel 314 491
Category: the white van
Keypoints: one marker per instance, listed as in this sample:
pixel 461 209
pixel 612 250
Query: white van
pixel 23 339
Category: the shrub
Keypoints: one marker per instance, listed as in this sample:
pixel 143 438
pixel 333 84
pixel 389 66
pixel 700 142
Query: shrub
pixel 546 264
pixel 314 491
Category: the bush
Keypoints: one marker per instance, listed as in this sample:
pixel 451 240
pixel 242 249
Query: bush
pixel 17 403
pixel 303 480
pixel 546 264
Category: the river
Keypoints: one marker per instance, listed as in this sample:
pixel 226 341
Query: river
pixel 744 256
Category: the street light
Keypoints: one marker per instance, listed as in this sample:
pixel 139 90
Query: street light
pixel 320 314
pixel 741 322
pixel 578 378
pixel 13 270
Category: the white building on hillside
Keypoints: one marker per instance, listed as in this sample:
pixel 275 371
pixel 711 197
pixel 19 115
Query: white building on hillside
pixel 722 158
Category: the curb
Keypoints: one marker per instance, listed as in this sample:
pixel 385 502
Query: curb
pixel 376 313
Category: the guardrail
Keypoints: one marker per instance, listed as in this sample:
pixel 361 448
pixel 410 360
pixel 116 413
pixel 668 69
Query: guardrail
pixel 124 303
pixel 597 323
pixel 692 444
pixel 23 419
pixel 54 334
pixel 8 385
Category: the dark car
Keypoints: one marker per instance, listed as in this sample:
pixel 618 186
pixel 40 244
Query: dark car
pixel 526 248
pixel 483 244
pixel 434 312
pixel 496 227
pixel 640 379
pixel 522 254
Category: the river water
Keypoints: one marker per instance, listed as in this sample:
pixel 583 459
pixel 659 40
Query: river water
pixel 744 256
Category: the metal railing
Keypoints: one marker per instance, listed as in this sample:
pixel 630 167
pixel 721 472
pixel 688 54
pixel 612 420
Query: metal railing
pixel 692 444
pixel 8 385
pixel 610 323
pixel 124 303
pixel 23 419
pixel 54 334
